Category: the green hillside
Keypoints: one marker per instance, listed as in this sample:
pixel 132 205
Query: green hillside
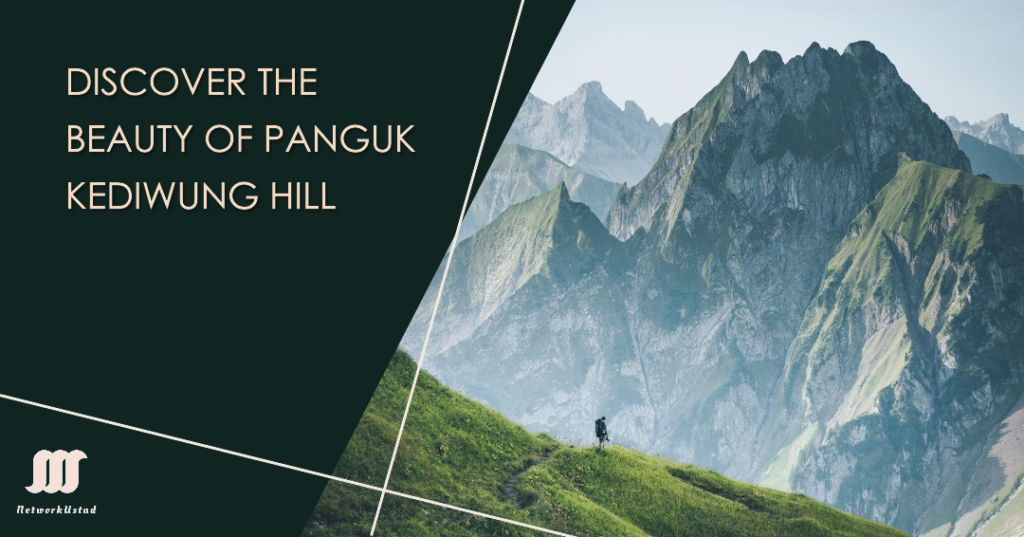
pixel 457 451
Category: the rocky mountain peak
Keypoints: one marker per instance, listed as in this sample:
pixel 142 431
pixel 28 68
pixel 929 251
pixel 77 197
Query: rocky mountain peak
pixel 563 193
pixel 589 96
pixel 850 109
pixel 634 112
pixel 741 62
pixel 767 63
pixel 996 130
pixel 592 88
pixel 589 132
pixel 860 48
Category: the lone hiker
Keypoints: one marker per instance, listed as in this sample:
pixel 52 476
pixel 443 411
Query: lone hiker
pixel 601 428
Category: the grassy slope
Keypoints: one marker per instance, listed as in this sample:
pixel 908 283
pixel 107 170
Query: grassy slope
pixel 1007 521
pixel 457 451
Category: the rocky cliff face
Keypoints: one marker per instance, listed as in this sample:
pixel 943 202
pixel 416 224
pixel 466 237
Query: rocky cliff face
pixel 756 186
pixel 589 132
pixel 686 318
pixel 908 357
pixel 996 130
pixel 519 173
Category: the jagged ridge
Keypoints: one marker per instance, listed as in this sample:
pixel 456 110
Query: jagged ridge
pixel 681 333
pixel 891 356
pixel 996 130
pixel 589 132
pixel 519 173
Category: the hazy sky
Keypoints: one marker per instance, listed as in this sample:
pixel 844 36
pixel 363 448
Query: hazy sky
pixel 963 58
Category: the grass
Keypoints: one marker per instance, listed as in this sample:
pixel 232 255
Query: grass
pixel 457 451
pixel 1009 519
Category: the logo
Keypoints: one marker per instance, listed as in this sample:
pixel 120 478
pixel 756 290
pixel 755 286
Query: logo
pixel 63 475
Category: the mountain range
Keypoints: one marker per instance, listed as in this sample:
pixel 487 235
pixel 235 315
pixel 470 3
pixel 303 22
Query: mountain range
pixel 589 132
pixel 997 163
pixel 519 173
pixel 808 289
pixel 996 130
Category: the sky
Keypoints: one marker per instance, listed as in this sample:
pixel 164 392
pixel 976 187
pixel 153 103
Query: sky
pixel 964 58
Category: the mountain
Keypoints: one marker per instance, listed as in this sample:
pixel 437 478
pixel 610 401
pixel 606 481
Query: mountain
pixel 821 120
pixel 546 239
pixel 589 132
pixel 997 130
pixel 908 359
pixel 685 318
pixel 459 452
pixel 519 173
pixel 999 164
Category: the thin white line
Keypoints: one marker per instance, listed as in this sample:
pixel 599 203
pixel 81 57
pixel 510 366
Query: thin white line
pixel 477 513
pixel 287 466
pixel 447 265
pixel 189 442
pixel 383 490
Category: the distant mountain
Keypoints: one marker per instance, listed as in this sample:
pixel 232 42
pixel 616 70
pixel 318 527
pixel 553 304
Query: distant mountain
pixel 999 164
pixel 459 452
pixel 997 130
pixel 589 132
pixel 549 236
pixel 519 173
pixel 808 290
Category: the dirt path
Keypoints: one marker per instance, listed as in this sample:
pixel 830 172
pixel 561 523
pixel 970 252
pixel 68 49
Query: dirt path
pixel 508 489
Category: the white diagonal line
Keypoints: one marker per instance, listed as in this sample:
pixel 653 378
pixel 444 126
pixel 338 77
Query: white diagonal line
pixel 383 490
pixel 477 513
pixel 189 442
pixel 274 463
pixel 444 277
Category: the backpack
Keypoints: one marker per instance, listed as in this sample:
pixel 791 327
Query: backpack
pixel 599 428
